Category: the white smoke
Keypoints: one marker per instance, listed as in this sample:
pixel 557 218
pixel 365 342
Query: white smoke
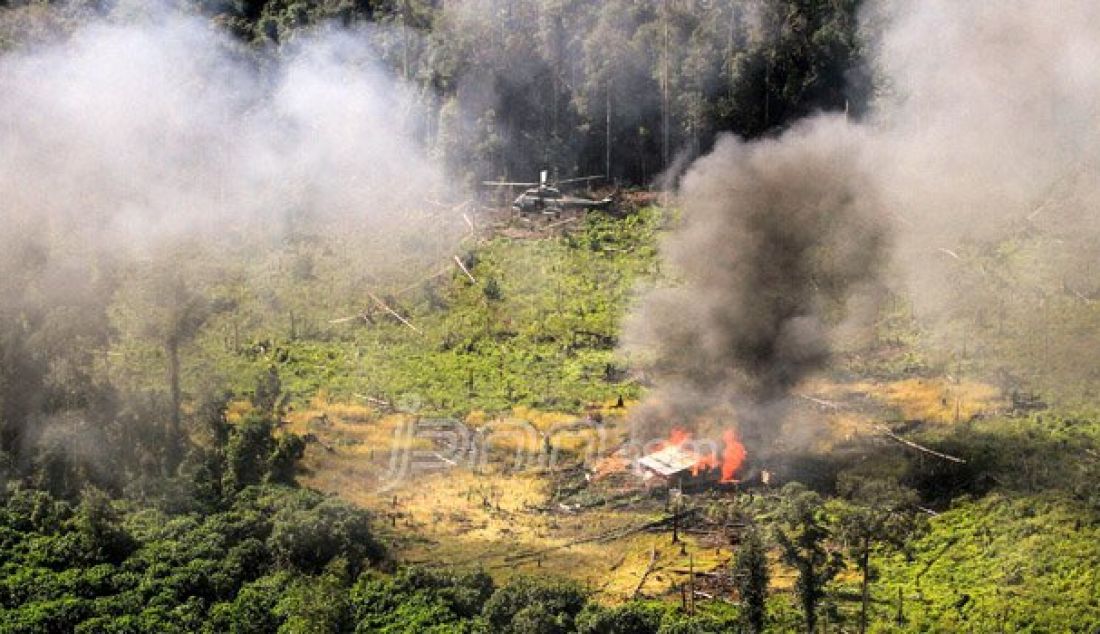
pixel 985 127
pixel 129 133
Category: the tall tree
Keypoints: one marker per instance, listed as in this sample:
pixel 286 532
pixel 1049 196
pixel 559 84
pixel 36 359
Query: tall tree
pixel 750 576
pixel 802 533
pixel 877 512
pixel 168 313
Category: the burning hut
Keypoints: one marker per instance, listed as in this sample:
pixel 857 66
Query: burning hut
pixel 665 464
pixel 681 459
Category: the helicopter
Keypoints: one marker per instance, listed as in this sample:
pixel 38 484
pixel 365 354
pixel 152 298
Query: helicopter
pixel 547 199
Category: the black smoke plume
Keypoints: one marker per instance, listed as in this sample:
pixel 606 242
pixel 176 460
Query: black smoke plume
pixel 777 237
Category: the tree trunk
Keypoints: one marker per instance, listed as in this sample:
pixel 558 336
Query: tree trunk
pixel 172 351
pixel 810 596
pixel 404 44
pixel 665 118
pixel 864 566
pixel 607 132
pixel 767 92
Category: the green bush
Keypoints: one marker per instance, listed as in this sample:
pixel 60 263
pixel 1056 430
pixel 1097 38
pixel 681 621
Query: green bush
pixel 528 604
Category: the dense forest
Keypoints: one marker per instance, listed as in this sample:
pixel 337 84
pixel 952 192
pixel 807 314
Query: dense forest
pixel 244 261
pixel 625 89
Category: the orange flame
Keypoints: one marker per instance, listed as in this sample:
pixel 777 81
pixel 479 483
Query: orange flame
pixel 732 456
pixel 678 436
pixel 705 463
pixel 733 453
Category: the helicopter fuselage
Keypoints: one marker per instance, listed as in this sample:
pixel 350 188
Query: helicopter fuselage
pixel 550 200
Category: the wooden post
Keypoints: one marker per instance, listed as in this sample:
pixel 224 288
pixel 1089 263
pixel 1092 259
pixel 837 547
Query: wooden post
pixel 691 583
pixel 676 522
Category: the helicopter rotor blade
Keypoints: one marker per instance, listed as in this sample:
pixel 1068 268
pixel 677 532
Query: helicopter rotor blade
pixel 506 184
pixel 580 179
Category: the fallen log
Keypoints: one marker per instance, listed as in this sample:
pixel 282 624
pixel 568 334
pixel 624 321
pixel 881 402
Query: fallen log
pixel 561 222
pixel 822 402
pixel 464 269
pixel 442 458
pixel 909 443
pixel 645 573
pixel 608 536
pixel 376 401
pixel 393 312
pixel 699 573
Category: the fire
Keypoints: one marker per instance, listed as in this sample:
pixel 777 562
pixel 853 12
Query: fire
pixel 678 436
pixel 706 463
pixel 732 455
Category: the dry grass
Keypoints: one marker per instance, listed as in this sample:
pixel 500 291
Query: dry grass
pixel 938 400
pixel 505 521
pixel 459 517
pixel 543 421
pixel 931 400
pixel 237 409
pixel 526 430
pixel 454 516
pixel 453 519
pixel 843 427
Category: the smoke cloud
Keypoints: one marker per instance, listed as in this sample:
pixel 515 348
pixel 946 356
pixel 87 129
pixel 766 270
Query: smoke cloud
pixel 139 138
pixel 131 133
pixel 991 116
pixel 985 128
pixel 776 236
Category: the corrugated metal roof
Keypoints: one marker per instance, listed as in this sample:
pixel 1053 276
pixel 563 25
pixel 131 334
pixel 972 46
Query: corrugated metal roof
pixel 670 460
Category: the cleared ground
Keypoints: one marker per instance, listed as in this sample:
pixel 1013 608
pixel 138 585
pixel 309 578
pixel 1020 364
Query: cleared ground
pixel 511 521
